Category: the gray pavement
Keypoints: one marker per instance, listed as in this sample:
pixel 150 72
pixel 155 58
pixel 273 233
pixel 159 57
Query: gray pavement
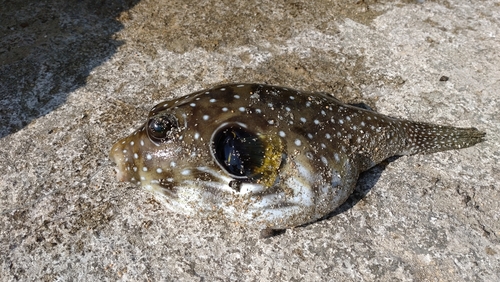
pixel 77 75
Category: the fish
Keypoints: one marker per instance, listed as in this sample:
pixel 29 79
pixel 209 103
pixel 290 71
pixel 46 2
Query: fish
pixel 266 156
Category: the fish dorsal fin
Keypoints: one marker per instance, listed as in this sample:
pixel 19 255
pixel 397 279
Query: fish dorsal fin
pixel 362 106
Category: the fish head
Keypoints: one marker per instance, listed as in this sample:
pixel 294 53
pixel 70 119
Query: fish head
pixel 140 156
pixel 198 158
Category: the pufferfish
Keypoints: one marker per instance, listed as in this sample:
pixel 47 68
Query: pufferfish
pixel 266 156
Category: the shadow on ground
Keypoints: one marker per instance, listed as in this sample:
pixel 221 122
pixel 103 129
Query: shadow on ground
pixel 47 50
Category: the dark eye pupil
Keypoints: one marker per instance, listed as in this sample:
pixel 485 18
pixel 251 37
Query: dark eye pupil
pixel 238 151
pixel 159 127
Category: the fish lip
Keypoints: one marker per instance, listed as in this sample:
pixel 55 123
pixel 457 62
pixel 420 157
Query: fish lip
pixel 116 167
pixel 120 176
pixel 117 162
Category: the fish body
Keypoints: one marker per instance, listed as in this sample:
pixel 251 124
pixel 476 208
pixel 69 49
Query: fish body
pixel 267 156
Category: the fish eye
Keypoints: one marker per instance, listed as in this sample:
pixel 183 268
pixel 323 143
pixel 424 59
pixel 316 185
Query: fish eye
pixel 161 127
pixel 238 151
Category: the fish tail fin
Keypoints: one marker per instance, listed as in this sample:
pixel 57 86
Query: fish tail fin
pixel 429 138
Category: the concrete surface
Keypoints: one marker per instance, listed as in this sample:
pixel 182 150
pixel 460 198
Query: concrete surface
pixel 77 75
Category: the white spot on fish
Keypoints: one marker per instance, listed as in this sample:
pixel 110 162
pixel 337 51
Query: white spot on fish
pixel 324 160
pixel 336 157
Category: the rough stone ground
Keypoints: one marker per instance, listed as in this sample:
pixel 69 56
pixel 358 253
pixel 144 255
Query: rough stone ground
pixel 77 75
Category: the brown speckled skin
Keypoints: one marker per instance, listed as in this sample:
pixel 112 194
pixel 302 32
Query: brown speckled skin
pixel 326 144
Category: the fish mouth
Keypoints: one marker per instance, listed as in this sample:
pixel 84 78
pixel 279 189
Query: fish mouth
pixel 113 156
pixel 120 175
pixel 119 156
